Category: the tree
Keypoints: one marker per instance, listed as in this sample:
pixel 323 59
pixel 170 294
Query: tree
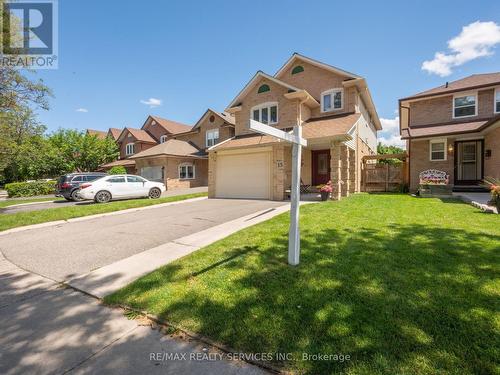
pixel 118 169
pixel 389 149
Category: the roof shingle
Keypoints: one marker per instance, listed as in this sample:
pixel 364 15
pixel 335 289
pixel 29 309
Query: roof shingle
pixel 171 126
pixel 172 147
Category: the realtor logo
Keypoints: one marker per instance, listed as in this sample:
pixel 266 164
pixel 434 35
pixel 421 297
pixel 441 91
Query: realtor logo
pixel 29 34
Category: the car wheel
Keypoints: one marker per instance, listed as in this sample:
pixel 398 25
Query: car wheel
pixel 68 199
pixel 102 197
pixel 154 193
pixel 74 196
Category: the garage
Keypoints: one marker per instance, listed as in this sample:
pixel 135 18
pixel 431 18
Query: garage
pixel 243 175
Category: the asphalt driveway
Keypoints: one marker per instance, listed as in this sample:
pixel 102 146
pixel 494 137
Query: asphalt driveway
pixel 64 251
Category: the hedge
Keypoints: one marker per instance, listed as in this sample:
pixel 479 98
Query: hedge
pixel 30 189
pixel 118 169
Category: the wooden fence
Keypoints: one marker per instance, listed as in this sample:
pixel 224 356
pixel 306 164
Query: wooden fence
pixel 381 177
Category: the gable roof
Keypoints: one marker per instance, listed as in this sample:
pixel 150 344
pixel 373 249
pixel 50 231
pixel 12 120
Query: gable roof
pixel 470 82
pixel 115 133
pixel 226 117
pixel 172 147
pixel 172 127
pixel 139 134
pixel 98 133
pixel 330 126
pixel 297 56
pixel 258 75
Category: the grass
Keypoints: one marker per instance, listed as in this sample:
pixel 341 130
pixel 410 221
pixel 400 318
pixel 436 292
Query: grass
pixel 19 219
pixel 11 202
pixel 400 284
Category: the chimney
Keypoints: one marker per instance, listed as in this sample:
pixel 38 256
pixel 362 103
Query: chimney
pixel 446 85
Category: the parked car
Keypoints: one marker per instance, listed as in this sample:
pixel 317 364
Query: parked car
pixel 120 187
pixel 68 185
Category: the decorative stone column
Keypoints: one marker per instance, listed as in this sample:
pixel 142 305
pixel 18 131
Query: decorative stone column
pixel 335 170
pixel 344 157
pixel 212 164
pixel 278 168
pixel 352 171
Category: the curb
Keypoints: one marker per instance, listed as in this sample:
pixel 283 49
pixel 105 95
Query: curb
pixel 90 217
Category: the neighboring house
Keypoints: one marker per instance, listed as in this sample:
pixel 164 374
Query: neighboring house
pixel 98 133
pixel 114 133
pixel 338 119
pixel 180 160
pixel 454 128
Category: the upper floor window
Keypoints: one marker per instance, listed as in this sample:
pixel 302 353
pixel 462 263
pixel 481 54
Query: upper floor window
pixel 297 69
pixel 497 100
pixel 129 149
pixel 464 105
pixel 332 100
pixel 437 150
pixel 263 88
pixel 163 139
pixel 212 137
pixel 266 113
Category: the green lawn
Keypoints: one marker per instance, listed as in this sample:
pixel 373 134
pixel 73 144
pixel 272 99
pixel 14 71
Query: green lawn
pixel 403 285
pixel 12 202
pixel 19 219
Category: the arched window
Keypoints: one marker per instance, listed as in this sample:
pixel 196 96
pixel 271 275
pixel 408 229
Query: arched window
pixel 263 88
pixel 163 139
pixel 297 69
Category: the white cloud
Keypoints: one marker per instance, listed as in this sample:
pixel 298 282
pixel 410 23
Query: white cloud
pixel 152 102
pixel 389 135
pixel 85 110
pixel 474 41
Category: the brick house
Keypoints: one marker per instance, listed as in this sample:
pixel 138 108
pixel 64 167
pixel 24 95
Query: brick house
pixel 454 128
pixel 338 119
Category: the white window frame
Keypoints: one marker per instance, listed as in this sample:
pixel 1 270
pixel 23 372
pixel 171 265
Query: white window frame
pixel 460 95
pixel 332 92
pixel 441 140
pixel 163 138
pixel 495 100
pixel 127 148
pixel 267 105
pixel 187 165
pixel 212 131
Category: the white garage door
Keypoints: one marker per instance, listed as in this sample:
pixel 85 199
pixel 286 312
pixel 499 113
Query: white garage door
pixel 243 176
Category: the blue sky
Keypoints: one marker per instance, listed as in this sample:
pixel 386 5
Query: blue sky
pixel 194 55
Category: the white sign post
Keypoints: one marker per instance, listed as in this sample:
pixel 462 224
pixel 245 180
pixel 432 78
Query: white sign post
pixel 297 142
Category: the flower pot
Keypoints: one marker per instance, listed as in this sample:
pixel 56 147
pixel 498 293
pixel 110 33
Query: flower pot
pixel 324 195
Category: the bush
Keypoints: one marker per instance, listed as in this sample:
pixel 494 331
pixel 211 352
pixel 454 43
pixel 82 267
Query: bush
pixel 119 169
pixel 30 189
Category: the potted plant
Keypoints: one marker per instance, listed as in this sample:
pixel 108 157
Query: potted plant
pixel 494 185
pixel 325 190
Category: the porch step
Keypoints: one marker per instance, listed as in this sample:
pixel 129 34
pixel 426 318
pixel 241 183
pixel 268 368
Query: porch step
pixel 470 189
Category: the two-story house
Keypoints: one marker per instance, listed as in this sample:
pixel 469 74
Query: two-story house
pixel 179 159
pixel 454 128
pixel 338 119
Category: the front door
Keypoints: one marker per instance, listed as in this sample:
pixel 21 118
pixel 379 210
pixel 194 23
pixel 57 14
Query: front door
pixel 320 166
pixel 468 162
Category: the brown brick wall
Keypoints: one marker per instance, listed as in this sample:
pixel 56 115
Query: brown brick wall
pixel 199 138
pixel 139 146
pixel 439 110
pixel 420 161
pixel 156 131
pixel 492 163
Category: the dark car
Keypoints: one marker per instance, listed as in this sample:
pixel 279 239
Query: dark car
pixel 68 185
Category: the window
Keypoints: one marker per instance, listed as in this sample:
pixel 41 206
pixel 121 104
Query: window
pixel 464 106
pixel 116 180
pixel 129 149
pixel 332 100
pixel 135 179
pixel 212 137
pixel 497 100
pixel 266 113
pixel 77 179
pixel 152 173
pixel 186 171
pixel 263 88
pixel 297 69
pixel 437 150
pixel 163 139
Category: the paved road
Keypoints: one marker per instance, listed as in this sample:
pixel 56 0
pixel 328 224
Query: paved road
pixel 64 251
pixel 47 329
pixel 64 203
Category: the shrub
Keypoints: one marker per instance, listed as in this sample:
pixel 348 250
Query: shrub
pixel 30 189
pixel 119 169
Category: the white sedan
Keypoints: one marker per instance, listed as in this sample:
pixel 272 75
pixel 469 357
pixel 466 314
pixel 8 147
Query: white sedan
pixel 106 188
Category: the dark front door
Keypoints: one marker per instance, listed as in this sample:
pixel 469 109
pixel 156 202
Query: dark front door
pixel 468 162
pixel 320 167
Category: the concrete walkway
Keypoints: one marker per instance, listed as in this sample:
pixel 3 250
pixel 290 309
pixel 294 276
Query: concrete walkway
pixel 49 329
pixel 479 200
